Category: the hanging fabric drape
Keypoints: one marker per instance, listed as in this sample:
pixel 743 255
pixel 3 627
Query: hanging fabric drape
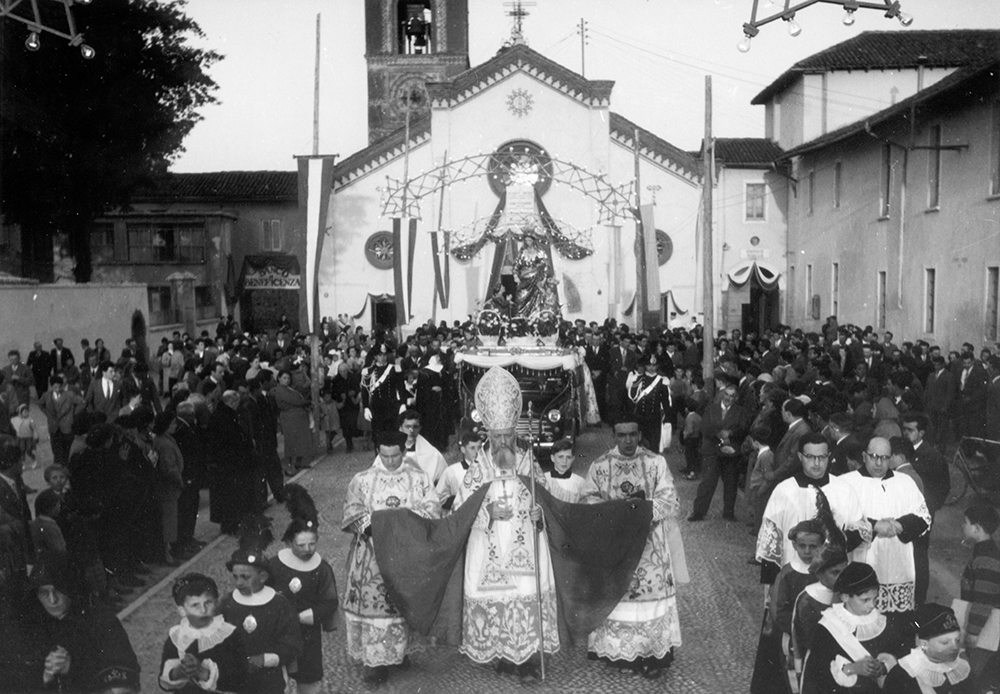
pixel 766 276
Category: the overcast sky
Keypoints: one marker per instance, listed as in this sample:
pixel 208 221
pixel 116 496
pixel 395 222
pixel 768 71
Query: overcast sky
pixel 657 52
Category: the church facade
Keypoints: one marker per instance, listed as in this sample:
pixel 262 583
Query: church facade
pixel 511 185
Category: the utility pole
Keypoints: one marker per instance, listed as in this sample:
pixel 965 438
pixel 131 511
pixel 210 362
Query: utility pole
pixel 582 30
pixel 315 358
pixel 641 305
pixel 708 291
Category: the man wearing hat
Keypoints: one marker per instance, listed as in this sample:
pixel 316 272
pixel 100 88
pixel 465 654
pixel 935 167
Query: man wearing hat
pixel 380 383
pixel 934 664
pixel 377 635
pixel 490 606
pixel 649 399
pixel 265 620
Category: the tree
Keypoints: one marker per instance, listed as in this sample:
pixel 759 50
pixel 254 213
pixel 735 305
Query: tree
pixel 77 136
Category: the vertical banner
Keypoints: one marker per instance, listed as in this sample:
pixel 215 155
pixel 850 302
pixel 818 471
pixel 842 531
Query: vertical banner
pixel 404 249
pixel 438 278
pixel 653 301
pixel 315 186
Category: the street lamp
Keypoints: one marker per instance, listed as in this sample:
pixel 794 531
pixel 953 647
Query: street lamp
pixel 17 10
pixel 891 8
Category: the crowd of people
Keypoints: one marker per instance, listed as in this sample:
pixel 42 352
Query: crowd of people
pixel 835 437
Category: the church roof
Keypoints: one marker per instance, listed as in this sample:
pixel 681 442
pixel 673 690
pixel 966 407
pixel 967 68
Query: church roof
pixel 222 185
pixel 945 89
pixel 893 50
pixel 654 147
pixel 381 151
pixel 504 63
pixel 511 59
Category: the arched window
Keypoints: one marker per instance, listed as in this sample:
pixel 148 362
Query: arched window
pixel 415 21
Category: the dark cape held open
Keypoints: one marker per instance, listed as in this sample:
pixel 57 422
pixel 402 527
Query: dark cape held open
pixel 594 548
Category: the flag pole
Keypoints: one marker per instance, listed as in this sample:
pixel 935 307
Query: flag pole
pixel 535 542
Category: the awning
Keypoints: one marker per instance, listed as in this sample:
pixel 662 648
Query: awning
pixel 766 275
pixel 541 359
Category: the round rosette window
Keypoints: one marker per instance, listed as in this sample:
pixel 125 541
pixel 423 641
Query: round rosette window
pixel 519 162
pixel 379 249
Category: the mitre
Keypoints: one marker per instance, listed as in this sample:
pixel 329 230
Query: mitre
pixel 498 399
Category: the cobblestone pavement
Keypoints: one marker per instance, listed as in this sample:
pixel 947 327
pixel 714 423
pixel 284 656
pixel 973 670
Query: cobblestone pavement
pixel 719 609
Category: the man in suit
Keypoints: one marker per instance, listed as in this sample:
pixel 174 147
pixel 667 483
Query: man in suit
pixel 768 357
pixel 845 447
pixel 89 372
pixel 970 399
pixel 61 407
pixel 934 473
pixel 993 398
pixel 722 432
pixel 214 385
pixel 17 380
pixel 60 355
pixel 40 364
pixel 873 361
pixel 939 395
pixel 105 393
pixel 621 362
pixel 786 454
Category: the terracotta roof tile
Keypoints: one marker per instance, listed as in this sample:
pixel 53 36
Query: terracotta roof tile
pixel 887 50
pixel 222 185
pixel 746 151
pixel 955 83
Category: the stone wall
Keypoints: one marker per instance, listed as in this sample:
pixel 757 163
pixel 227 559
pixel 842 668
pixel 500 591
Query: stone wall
pixel 44 312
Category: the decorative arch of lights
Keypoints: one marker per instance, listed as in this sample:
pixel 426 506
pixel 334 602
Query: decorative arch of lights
pixel 403 198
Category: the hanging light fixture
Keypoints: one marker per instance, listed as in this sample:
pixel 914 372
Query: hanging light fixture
pixel 786 12
pixel 31 15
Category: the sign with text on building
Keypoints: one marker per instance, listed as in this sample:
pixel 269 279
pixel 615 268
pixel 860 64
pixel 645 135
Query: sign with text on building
pixel 755 253
pixel 270 272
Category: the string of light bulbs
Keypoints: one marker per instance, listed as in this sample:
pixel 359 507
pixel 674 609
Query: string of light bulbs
pixel 787 14
pixel 37 26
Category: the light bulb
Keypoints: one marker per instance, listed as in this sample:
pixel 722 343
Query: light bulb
pixel 744 45
pixel 87 52
pixel 849 18
pixel 33 42
pixel 905 19
pixel 82 2
pixel 794 29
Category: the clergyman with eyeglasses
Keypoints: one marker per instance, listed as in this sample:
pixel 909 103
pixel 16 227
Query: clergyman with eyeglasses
pixel 795 500
pixel 899 515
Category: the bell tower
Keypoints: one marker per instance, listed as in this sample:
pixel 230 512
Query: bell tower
pixel 409 43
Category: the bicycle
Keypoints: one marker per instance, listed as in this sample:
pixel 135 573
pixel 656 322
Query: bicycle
pixel 978 459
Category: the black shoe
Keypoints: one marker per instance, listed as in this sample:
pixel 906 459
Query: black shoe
pixel 651 672
pixel 528 668
pixel 695 517
pixel 129 580
pixel 503 667
pixel 729 516
pixel 376 675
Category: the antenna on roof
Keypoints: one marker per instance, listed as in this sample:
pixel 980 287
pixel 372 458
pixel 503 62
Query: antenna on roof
pixel 518 13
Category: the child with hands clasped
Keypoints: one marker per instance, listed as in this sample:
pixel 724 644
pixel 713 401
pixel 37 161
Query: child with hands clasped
pixel 202 652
